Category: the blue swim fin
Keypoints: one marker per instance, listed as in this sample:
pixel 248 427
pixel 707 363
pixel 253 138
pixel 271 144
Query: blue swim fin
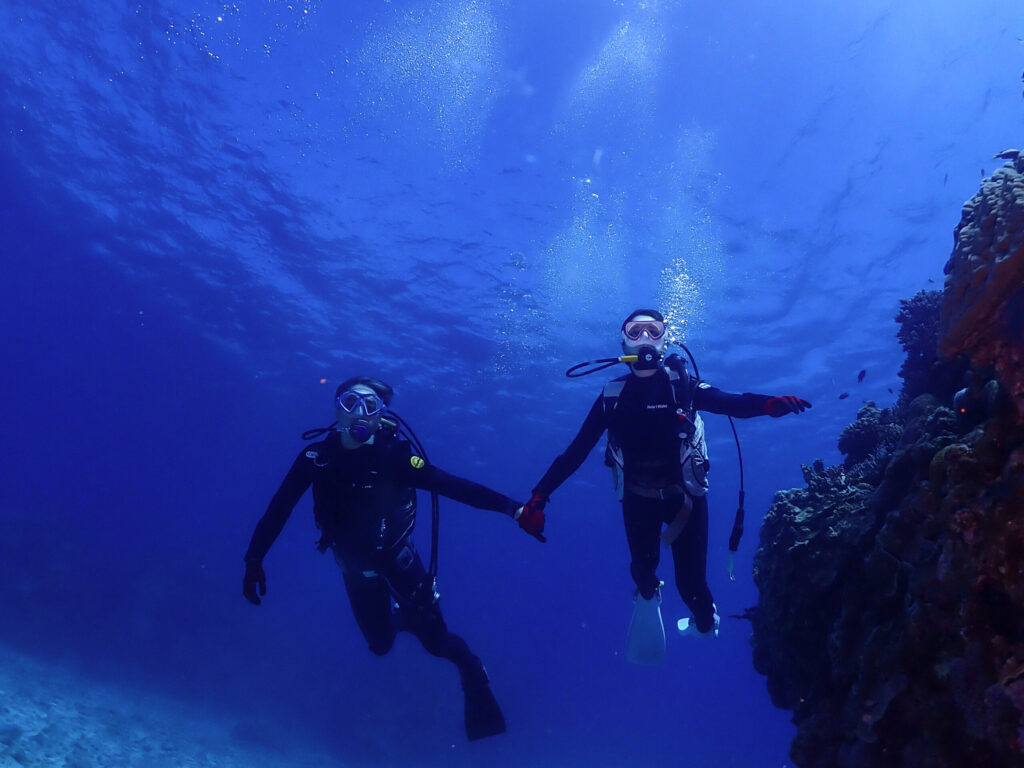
pixel 645 643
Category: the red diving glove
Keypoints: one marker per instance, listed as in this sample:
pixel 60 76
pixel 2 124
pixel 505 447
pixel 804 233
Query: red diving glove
pixel 254 576
pixel 531 516
pixel 780 406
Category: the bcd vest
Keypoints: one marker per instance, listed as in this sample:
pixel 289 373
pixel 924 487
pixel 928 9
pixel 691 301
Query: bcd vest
pixel 693 451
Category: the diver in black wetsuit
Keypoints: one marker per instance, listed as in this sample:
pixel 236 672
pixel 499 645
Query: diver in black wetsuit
pixel 364 477
pixel 656 446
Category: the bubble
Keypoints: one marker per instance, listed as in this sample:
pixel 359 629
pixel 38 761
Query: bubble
pixel 520 321
pixel 436 64
pixel 689 239
pixel 618 86
pixel 235 29
pixel 681 299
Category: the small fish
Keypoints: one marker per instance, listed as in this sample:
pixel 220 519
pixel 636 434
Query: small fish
pixel 861 375
pixel 945 179
pixel 890 390
pixel 844 395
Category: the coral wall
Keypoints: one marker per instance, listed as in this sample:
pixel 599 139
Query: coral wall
pixel 983 305
pixel 891 609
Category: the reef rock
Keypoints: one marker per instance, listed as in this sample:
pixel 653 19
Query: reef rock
pixel 983 305
pixel 891 610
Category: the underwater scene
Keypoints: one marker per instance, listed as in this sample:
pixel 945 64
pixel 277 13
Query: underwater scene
pixel 492 383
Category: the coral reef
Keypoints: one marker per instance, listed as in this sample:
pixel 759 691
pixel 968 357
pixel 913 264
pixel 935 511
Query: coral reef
pixel 891 609
pixel 872 436
pixel 983 305
pixel 918 318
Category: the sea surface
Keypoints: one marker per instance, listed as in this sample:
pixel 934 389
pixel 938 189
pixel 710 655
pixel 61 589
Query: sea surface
pixel 212 213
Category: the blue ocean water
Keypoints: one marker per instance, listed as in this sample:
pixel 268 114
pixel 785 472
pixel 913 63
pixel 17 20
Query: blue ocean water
pixel 214 212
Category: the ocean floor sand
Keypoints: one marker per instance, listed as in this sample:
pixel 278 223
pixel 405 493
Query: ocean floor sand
pixel 51 716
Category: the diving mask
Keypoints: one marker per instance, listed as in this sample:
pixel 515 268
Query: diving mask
pixel 355 402
pixel 644 336
pixel 634 329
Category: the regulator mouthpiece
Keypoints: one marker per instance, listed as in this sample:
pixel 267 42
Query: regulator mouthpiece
pixel 647 358
pixel 359 430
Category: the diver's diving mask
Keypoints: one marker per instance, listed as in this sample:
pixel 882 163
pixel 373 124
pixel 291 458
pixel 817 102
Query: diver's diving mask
pixel 634 329
pixel 645 338
pixel 359 403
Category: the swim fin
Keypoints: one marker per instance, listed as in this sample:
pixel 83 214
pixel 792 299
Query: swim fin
pixel 688 627
pixel 483 715
pixel 645 643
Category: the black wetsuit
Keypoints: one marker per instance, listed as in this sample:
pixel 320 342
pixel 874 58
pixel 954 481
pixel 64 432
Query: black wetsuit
pixel 645 425
pixel 364 502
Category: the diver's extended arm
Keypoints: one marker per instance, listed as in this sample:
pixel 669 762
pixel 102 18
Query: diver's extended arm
pixel 431 478
pixel 714 400
pixel 578 450
pixel 745 406
pixel 270 525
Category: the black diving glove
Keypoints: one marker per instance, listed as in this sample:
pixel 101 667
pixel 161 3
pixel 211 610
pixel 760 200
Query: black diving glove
pixel 254 577
pixel 780 406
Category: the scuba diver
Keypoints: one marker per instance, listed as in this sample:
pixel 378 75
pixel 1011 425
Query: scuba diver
pixel 364 473
pixel 657 453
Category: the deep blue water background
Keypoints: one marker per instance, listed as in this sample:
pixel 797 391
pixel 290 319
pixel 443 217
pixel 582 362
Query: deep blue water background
pixel 203 218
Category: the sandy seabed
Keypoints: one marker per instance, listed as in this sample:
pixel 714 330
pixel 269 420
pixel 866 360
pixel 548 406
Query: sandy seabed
pixel 50 716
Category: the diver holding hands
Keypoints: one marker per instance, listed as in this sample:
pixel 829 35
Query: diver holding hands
pixel 657 452
pixel 364 473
